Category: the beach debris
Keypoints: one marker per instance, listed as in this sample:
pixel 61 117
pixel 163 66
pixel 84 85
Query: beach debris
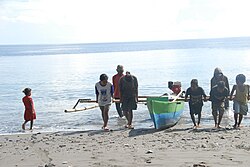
pixel 201 164
pixel 126 145
pixel 62 145
pixel 203 145
pixel 222 137
pixel 26 148
pixel 148 161
pixel 64 162
pixel 49 165
pixel 149 152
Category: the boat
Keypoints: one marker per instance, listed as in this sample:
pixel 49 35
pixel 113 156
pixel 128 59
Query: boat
pixel 163 112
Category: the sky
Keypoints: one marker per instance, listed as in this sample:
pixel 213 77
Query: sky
pixel 98 21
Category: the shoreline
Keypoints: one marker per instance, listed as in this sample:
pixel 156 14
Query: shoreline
pixel 177 146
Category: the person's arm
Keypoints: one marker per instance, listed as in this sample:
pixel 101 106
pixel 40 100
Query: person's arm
pixel 248 94
pixel 204 94
pixel 97 93
pixel 211 95
pixel 136 88
pixel 232 92
pixel 186 94
pixel 120 89
pixel 112 91
pixel 212 83
pixel 32 106
pixel 227 84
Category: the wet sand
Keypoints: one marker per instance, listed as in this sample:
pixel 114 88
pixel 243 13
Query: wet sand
pixel 179 146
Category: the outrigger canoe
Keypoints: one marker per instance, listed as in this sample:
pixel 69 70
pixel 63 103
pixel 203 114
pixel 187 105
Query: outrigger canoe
pixel 163 112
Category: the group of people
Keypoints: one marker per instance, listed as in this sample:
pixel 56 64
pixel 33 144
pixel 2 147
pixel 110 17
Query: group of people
pixel 124 89
pixel 219 97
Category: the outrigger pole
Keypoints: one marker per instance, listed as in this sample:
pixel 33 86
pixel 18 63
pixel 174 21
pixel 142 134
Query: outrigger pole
pixel 141 99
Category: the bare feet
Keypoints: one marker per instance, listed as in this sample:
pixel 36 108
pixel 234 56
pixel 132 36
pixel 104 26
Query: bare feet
pixel 129 126
pixel 23 126
pixel 105 128
pixel 218 126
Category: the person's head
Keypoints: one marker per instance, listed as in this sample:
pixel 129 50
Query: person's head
pixel 104 79
pixel 128 76
pixel 119 69
pixel 194 83
pixel 221 86
pixel 240 79
pixel 27 91
pixel 218 73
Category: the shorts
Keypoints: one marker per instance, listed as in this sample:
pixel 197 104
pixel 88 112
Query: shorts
pixel 218 107
pixel 128 104
pixel 240 108
pixel 195 109
pixel 106 107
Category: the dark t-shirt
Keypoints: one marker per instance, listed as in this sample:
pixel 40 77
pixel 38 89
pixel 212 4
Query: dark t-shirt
pixel 218 97
pixel 128 86
pixel 195 96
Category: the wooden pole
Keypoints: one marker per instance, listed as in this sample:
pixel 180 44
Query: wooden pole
pixel 81 109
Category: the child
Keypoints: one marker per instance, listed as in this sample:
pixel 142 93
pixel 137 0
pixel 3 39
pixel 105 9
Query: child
pixel 195 101
pixel 104 93
pixel 218 95
pixel 240 100
pixel 29 113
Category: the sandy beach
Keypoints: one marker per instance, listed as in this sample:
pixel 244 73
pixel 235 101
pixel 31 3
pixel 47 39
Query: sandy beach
pixel 179 146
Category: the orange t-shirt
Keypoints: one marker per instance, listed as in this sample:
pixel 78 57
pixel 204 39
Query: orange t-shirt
pixel 115 80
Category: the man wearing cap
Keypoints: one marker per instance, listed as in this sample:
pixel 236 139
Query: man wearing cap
pixel 116 79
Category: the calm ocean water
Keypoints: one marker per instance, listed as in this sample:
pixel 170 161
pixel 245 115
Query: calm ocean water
pixel 61 74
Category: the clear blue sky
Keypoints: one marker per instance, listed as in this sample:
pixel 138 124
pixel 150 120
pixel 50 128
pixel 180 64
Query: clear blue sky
pixel 88 21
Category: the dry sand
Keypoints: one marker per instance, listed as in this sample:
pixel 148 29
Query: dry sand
pixel 178 146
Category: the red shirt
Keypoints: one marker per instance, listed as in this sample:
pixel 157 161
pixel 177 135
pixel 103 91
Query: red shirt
pixel 116 79
pixel 29 113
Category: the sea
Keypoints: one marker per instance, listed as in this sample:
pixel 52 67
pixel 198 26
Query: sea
pixel 61 74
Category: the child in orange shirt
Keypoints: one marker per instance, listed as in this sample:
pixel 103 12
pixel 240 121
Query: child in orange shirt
pixel 29 113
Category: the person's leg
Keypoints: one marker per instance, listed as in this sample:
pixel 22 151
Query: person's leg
pixel 199 108
pixel 235 120
pixel 125 113
pixel 130 117
pixel 214 113
pixel 31 124
pixel 236 108
pixel 226 103
pixel 199 119
pixel 240 119
pixel 192 111
pixel 221 112
pixel 118 109
pixel 193 118
pixel 105 116
pixel 23 125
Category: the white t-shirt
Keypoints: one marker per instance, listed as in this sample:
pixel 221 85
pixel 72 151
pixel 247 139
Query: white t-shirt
pixel 104 93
